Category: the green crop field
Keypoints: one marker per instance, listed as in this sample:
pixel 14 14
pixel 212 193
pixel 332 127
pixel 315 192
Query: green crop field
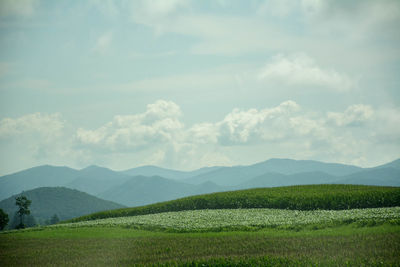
pixel 308 197
pixel 365 232
pixel 245 219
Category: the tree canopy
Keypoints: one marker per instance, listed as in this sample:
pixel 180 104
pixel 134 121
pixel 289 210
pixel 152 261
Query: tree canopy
pixel 3 219
pixel 23 204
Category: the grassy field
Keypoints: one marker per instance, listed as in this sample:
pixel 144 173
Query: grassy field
pixel 308 197
pixel 117 246
pixel 365 232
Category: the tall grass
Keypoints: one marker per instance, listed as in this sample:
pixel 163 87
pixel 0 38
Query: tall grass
pixel 115 246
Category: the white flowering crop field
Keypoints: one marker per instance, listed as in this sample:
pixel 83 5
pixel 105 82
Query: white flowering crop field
pixel 200 220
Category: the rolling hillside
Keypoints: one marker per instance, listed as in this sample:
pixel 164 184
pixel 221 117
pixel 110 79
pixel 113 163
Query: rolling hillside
pixel 306 197
pixel 150 188
pixel 66 203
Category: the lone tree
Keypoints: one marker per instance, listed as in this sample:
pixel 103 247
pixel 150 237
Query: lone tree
pixel 3 219
pixel 23 209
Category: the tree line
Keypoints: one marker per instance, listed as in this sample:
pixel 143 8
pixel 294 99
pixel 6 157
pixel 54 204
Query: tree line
pixel 22 217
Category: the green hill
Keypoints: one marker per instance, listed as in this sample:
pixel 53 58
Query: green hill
pixel 66 203
pixel 309 197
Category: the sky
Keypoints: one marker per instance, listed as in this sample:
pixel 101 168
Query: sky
pixel 185 84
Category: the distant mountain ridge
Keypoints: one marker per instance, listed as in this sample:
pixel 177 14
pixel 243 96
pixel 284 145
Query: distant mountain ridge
pixel 146 189
pixel 228 176
pixel 385 176
pixel 278 179
pixel 35 177
pixel 155 171
pixel 290 166
pixel 393 164
pixel 150 170
pixel 95 180
pixel 149 184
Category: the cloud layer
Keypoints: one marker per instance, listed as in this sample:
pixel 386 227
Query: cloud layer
pixel 158 136
pixel 158 125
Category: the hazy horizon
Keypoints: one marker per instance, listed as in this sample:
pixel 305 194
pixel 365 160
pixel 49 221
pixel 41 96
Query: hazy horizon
pixel 185 170
pixel 188 84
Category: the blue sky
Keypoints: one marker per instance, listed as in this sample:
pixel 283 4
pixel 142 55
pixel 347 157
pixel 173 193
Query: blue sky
pixel 186 84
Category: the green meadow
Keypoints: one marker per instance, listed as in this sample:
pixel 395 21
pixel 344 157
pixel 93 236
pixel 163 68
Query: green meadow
pixel 245 236
pixel 116 246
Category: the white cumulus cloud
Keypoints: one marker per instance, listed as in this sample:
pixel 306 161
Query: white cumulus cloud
pixel 301 69
pixel 159 124
pixel 251 125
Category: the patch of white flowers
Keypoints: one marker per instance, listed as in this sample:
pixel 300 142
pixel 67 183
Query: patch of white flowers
pixel 193 220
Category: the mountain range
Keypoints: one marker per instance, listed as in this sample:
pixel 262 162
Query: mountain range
pixel 150 184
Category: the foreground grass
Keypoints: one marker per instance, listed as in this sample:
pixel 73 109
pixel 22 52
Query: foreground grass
pixel 116 246
pixel 306 197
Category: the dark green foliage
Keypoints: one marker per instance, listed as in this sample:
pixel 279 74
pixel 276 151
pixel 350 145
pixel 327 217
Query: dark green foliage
pixel 14 222
pixel 309 197
pixel 23 204
pixel 29 221
pixel 3 219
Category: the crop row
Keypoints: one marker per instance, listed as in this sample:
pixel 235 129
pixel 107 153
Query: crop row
pixel 201 220
pixel 308 197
